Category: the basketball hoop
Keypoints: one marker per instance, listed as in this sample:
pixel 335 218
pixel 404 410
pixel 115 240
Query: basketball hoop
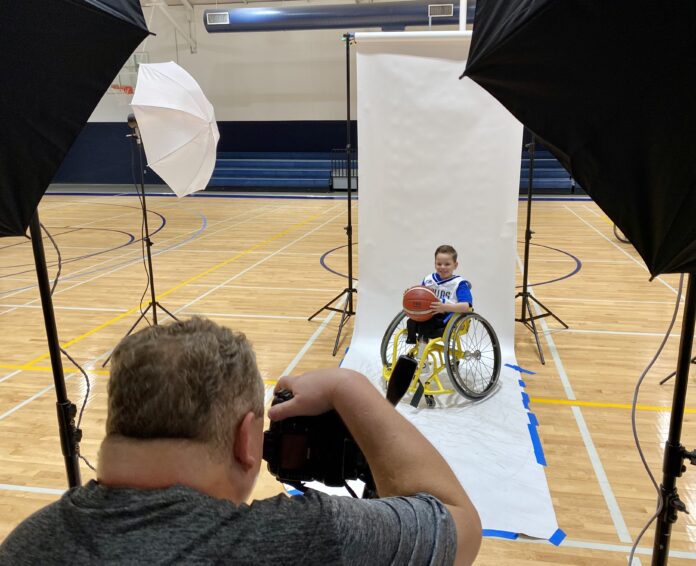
pixel 120 89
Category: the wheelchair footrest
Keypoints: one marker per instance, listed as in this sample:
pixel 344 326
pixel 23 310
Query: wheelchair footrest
pixel 418 394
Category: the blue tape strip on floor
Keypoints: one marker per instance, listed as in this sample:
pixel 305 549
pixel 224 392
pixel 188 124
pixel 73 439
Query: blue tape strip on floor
pixel 500 534
pixel 521 370
pixel 525 400
pixel 536 443
pixel 532 419
pixel 557 538
pixel 521 383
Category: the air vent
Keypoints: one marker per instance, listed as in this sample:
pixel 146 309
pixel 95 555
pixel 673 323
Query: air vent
pixel 440 10
pixel 217 18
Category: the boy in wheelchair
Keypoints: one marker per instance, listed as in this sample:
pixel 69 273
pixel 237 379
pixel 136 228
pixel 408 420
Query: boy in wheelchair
pixel 453 291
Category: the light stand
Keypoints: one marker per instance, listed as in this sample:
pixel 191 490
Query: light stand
pixel 70 435
pixel 153 303
pixel 675 454
pixel 347 311
pixel 526 316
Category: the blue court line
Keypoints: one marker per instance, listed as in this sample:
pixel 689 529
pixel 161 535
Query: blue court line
pixel 521 383
pixel 521 370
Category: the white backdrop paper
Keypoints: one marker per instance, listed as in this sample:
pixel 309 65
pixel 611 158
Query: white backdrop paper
pixel 439 163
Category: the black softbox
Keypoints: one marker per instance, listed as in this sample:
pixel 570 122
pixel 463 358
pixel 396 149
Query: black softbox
pixel 57 59
pixel 608 87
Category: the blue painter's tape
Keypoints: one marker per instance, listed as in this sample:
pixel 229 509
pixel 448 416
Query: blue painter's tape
pixel 525 400
pixel 522 383
pixel 532 419
pixel 536 443
pixel 557 538
pixel 521 370
pixel 500 534
pixel 343 359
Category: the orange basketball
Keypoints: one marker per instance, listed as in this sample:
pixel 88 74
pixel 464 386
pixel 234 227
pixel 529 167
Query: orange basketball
pixel 417 302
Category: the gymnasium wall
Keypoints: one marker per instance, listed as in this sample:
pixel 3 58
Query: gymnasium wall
pixel 272 92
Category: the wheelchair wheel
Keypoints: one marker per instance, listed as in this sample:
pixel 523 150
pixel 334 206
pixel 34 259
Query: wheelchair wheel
pixel 395 331
pixel 472 355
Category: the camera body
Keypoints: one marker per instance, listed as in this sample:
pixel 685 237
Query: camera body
pixel 321 448
pixel 318 448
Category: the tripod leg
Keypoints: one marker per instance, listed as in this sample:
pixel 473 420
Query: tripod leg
pixel 538 302
pixel 345 315
pixel 157 303
pixel 536 333
pixel 327 305
pixel 142 316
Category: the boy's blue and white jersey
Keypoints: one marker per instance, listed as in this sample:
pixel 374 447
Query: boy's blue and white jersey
pixel 453 290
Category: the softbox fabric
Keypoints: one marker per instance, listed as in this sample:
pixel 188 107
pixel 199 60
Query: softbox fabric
pixel 58 59
pixel 609 88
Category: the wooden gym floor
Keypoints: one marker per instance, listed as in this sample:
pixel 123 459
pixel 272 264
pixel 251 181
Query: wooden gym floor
pixel 263 265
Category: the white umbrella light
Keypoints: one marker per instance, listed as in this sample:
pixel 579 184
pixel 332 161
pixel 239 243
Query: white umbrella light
pixel 177 126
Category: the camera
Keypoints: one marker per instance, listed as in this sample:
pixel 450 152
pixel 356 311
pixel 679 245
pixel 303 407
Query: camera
pixel 321 448
pixel 316 448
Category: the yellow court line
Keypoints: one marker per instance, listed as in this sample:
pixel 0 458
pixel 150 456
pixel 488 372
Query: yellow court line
pixel 542 400
pixel 576 403
pixel 49 369
pixel 179 286
pixel 27 367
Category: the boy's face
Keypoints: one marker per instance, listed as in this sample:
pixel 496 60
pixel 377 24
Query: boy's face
pixel 445 265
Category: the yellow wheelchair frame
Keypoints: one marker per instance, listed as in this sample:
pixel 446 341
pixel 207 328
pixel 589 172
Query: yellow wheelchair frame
pixel 473 368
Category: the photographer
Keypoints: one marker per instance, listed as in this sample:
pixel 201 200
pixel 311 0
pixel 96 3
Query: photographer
pixel 183 450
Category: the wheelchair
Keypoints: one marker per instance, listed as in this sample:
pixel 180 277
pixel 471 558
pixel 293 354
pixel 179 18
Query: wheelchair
pixel 468 350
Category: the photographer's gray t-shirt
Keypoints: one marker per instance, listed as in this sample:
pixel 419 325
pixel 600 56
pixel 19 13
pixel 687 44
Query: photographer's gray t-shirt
pixel 178 525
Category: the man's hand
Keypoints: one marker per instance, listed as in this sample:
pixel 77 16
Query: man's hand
pixel 313 393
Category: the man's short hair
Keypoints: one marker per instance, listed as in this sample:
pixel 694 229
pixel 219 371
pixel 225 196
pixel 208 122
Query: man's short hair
pixel 192 380
pixel 446 249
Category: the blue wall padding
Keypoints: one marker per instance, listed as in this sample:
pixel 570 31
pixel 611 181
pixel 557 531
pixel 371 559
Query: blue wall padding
pixel 102 153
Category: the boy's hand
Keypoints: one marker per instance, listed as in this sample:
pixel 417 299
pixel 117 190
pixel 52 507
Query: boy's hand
pixel 438 307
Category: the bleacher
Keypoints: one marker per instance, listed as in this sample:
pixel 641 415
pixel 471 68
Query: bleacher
pixel 549 174
pixel 269 170
pixel 316 171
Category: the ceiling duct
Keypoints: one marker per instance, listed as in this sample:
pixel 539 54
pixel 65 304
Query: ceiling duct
pixel 390 16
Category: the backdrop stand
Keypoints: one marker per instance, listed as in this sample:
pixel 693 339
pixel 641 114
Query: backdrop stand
pixel 153 303
pixel 70 435
pixel 675 454
pixel 526 316
pixel 348 309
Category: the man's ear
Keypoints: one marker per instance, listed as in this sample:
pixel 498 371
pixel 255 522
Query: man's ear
pixel 245 451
